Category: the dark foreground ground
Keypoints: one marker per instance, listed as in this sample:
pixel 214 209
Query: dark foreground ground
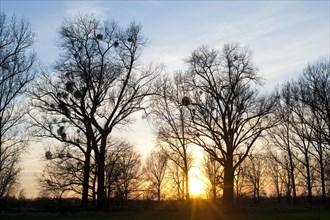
pixel 195 211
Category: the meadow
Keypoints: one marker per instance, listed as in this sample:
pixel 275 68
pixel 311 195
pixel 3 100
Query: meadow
pixel 195 211
pixel 283 215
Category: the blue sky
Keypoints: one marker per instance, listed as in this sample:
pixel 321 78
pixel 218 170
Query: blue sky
pixel 283 35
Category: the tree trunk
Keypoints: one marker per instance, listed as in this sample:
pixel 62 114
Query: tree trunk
pixel 100 183
pixel 292 178
pixel 278 195
pixel 288 187
pixel 94 191
pixel 214 190
pixel 309 184
pixel 228 187
pixel 291 161
pixel 322 179
pixel 84 200
pixel 187 184
pixel 186 175
pixel 158 193
pixel 278 191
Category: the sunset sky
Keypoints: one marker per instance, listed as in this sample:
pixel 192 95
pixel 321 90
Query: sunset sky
pixel 283 35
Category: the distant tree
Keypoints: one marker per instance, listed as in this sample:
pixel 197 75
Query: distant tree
pixel 129 179
pixel 327 172
pixel 240 179
pixel 16 72
pixel 276 173
pixel 303 134
pixel 281 162
pixel 213 171
pixel 302 141
pixel 227 112
pixel 282 136
pixel 97 84
pixel 63 172
pixel 155 171
pixel 256 175
pixel 113 169
pixel 314 92
pixel 177 180
pixel 53 185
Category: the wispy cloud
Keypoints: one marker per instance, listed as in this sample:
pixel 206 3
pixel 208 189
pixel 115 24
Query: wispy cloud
pixel 86 7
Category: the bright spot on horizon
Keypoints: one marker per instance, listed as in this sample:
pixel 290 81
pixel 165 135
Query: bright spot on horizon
pixel 196 188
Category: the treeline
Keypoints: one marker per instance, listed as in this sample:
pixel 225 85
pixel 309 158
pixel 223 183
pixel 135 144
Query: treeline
pixel 255 143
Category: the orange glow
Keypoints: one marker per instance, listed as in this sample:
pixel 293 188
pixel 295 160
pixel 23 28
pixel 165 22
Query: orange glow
pixel 196 188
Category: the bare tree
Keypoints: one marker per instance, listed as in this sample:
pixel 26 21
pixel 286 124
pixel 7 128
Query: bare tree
pixel 16 71
pixel 113 169
pixel 256 175
pixel 98 83
pixel 286 166
pixel 63 172
pixel 129 178
pixel 155 170
pixel 240 179
pixel 213 171
pixel 169 115
pixel 281 135
pixel 276 173
pixel 176 179
pixel 313 91
pixel 302 141
pixel 327 172
pixel 52 184
pixel 227 111
pixel 50 122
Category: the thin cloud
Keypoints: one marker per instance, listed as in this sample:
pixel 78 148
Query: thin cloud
pixel 86 7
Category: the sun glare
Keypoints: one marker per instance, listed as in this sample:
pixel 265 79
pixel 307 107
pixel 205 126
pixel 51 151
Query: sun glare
pixel 196 188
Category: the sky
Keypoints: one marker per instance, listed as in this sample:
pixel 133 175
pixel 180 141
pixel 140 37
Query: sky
pixel 284 36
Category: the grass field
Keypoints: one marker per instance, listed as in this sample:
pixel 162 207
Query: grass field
pixel 256 215
pixel 195 211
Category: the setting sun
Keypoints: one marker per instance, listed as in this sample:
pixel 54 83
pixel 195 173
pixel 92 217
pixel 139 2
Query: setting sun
pixel 196 188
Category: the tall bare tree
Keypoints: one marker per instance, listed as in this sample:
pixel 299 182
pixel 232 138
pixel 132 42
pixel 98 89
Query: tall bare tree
pixel 302 141
pixel 16 71
pixel 176 179
pixel 276 174
pixel 96 85
pixel 313 91
pixel 281 135
pixel 169 115
pixel 227 112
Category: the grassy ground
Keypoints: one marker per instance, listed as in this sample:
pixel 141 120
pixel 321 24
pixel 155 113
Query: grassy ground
pixel 281 215
pixel 196 211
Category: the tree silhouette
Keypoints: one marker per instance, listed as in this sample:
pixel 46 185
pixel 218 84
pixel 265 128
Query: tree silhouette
pixel 97 84
pixel 169 116
pixel 228 115
pixel 312 91
pixel 155 170
pixel 213 171
pixel 16 72
pixel 282 136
